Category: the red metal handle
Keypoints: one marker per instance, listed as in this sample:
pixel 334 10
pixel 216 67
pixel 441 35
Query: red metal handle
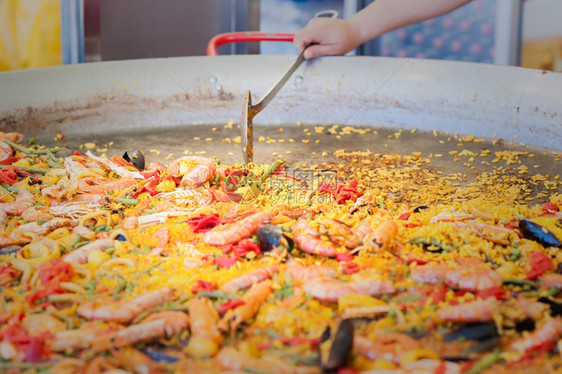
pixel 245 36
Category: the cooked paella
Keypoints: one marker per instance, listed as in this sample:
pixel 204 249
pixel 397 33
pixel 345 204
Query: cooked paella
pixel 371 263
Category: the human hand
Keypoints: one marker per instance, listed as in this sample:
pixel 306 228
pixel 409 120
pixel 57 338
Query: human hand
pixel 328 36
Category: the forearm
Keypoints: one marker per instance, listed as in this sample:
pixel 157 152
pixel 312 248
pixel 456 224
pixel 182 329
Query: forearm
pixel 382 16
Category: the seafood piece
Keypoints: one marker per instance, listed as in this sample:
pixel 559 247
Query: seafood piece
pixel 304 273
pixel 124 311
pixel 473 331
pixel 246 280
pixel 84 232
pixel 122 171
pixel 532 309
pixel 162 324
pixel 80 255
pixel 271 237
pixel 205 337
pixel 388 347
pixel 473 311
pixel 100 186
pixel 540 234
pixel 288 303
pixel 430 273
pixel 549 332
pixel 14 137
pixel 194 170
pixel 308 240
pixel 163 236
pixel 36 213
pixel 330 289
pixel 334 350
pixel 451 217
pixel 75 339
pixel 191 198
pixel 236 231
pixel 252 299
pixel 381 237
pixel 8 351
pixel 5 151
pixel 46 227
pixel 24 200
pixel 469 278
pixel 136 158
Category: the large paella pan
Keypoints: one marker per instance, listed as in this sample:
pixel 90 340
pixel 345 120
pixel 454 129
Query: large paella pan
pixel 401 216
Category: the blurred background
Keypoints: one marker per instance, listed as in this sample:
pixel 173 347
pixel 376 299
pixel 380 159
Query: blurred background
pixel 36 33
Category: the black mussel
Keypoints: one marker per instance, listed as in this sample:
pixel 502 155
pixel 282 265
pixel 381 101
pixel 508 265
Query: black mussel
pixel 159 356
pixel 528 324
pixel 9 249
pixel 420 208
pixel 527 285
pixel 335 348
pixel 136 157
pixel 481 346
pixel 473 331
pixel 558 268
pixel 272 236
pixel 555 308
pixel 533 231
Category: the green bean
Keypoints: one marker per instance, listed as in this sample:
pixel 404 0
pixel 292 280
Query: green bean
pixel 127 201
pixel 484 363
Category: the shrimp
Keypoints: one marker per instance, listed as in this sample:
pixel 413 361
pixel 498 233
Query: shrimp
pixel 161 324
pixel 288 303
pixel 8 351
pixel 194 170
pixel 305 273
pixel 24 200
pixel 330 289
pixel 308 240
pixel 451 217
pixel 43 229
pixel 124 311
pixel 100 185
pixel 549 332
pixel 470 278
pixel 431 273
pixel 36 213
pixel 5 151
pixel 14 137
pixel 388 347
pixel 80 255
pixel 253 298
pixel 533 309
pixel 246 280
pixel 236 231
pixel 381 237
pixel 205 338
pixel 77 338
pixel 473 311
pixel 191 198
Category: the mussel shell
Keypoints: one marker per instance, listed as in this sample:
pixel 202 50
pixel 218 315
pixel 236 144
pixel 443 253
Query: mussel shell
pixel 528 324
pixel 473 331
pixel 9 249
pixel 533 231
pixel 555 308
pixel 340 346
pixel 420 208
pixel 136 157
pixel 270 236
pixel 159 356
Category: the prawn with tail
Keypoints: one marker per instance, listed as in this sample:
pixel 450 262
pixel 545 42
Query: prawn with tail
pixel 380 238
pixel 158 325
pixel 124 311
pixel 549 332
pixel 246 280
pixel 206 337
pixel 193 170
pixel 24 200
pixel 327 240
pixel 234 232
pixel 252 301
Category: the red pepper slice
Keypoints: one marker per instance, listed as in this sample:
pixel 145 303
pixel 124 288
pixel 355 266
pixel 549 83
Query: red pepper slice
pixel 11 174
pixel 496 292
pixel 203 222
pixel 344 256
pixel 10 160
pixel 540 263
pixel 550 208
pixel 246 246
pixel 350 267
pixel 148 187
pixel 201 285
pixel 405 216
pixel 223 308
pixel 225 261
pixel 55 269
